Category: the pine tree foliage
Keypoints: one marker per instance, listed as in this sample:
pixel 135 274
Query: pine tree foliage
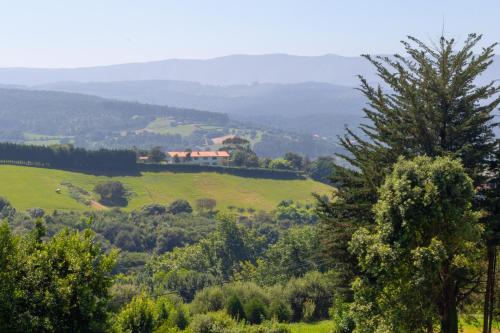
pixel 428 103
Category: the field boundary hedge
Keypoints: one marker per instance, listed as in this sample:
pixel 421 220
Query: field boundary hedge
pixel 235 171
pixel 175 168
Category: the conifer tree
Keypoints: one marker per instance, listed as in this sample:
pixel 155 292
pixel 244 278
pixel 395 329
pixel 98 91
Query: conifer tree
pixel 427 104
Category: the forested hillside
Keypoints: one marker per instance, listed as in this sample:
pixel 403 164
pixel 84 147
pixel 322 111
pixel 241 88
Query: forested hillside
pixel 49 117
pixel 311 107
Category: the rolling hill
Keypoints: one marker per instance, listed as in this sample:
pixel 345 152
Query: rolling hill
pixel 27 187
pixel 327 107
pixel 52 117
pixel 63 113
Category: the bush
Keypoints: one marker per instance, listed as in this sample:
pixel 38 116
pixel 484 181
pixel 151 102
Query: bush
pixel 235 308
pixel 314 287
pixel 308 309
pixel 137 317
pixel 206 204
pixel 208 300
pixel 6 210
pixel 255 311
pixel 153 209
pixel 180 206
pixel 170 238
pixel 280 311
pixel 121 294
pixel 36 213
pixel 246 291
pixel 212 322
pixel 112 193
pixel 178 317
pixel 280 164
pixel 341 317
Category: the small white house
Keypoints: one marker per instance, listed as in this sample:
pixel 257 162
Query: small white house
pixel 199 157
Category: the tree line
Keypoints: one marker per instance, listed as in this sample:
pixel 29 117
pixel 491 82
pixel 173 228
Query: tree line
pixel 67 157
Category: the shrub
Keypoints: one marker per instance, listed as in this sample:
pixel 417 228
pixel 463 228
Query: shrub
pixel 280 164
pixel 308 309
pixel 169 238
pixel 208 300
pixel 153 209
pixel 255 311
pixel 235 308
pixel 112 193
pixel 6 210
pixel 180 206
pixel 178 317
pixel 280 311
pixel 212 322
pixel 36 213
pixel 315 287
pixel 121 294
pixel 341 317
pixel 246 291
pixel 137 317
pixel 206 204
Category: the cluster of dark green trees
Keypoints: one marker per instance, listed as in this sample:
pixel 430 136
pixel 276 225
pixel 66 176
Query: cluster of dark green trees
pixel 67 157
pixel 409 236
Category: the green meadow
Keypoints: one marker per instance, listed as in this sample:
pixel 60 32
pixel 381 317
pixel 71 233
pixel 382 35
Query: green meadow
pixel 27 187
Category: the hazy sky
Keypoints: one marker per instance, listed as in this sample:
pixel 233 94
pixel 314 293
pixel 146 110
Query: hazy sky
pixel 57 33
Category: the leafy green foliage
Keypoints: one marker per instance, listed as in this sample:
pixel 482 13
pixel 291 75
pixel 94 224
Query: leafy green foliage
pixel 280 164
pixel 280 311
pixel 322 169
pixel 111 193
pixel 295 160
pixel 423 259
pixel 255 311
pixel 137 317
pixel 180 206
pixel 56 285
pixel 234 308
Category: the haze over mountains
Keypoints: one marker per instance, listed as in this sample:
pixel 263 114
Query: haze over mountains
pixel 228 70
pixel 308 94
pixel 310 107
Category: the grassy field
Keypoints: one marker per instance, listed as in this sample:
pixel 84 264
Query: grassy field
pixel 326 327
pixel 46 140
pixel 320 327
pixel 27 187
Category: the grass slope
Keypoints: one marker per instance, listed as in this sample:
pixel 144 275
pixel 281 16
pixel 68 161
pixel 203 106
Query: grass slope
pixel 327 326
pixel 27 187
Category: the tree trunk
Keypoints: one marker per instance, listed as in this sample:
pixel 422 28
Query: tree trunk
pixel 449 314
pixel 490 289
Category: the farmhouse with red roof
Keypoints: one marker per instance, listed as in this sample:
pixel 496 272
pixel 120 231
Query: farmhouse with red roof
pixel 199 157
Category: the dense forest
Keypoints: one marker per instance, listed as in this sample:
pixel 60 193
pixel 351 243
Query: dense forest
pixel 407 242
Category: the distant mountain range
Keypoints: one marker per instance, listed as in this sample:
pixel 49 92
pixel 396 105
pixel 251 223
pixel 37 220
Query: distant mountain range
pixel 312 95
pixel 228 70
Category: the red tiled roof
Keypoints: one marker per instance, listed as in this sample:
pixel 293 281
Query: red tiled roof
pixel 199 153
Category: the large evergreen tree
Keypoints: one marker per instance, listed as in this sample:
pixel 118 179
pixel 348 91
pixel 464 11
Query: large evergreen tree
pixel 428 103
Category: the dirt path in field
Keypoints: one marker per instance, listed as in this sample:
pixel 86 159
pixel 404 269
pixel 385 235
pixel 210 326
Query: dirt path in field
pixel 96 205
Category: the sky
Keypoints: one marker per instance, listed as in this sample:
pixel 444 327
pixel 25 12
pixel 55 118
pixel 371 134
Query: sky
pixel 75 33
